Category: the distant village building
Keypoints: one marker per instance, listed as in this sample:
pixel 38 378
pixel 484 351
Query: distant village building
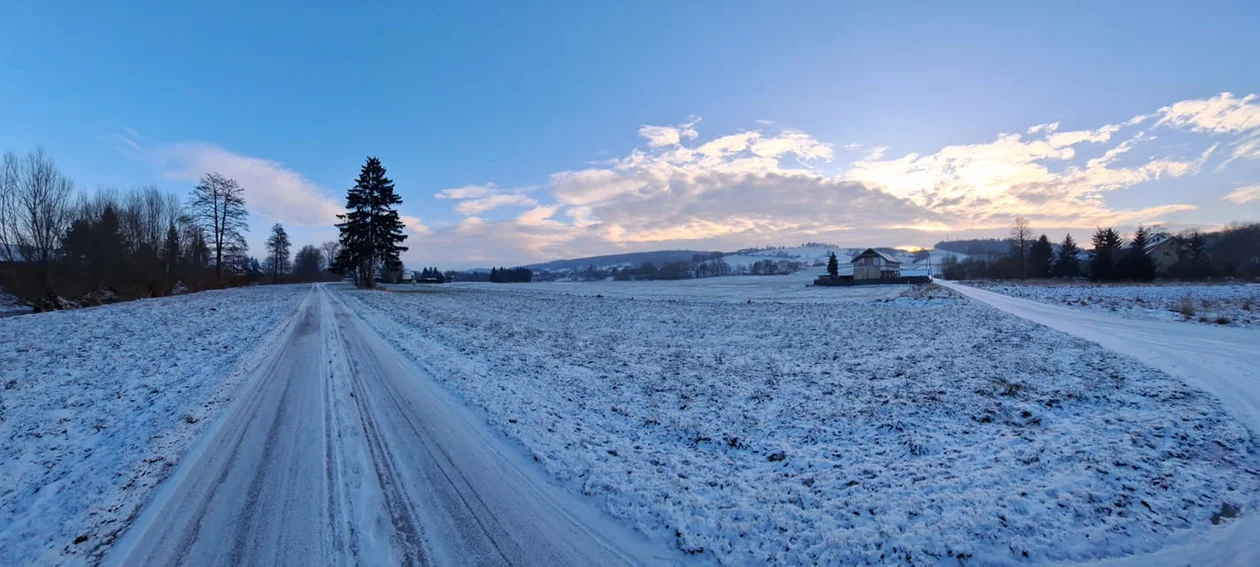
pixel 1163 251
pixel 872 264
pixel 873 267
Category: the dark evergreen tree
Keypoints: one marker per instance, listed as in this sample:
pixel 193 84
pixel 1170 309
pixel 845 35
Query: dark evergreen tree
pixel 97 248
pixel 833 266
pixel 1137 265
pixel 1067 264
pixel 197 253
pixel 1040 258
pixel 513 275
pixel 371 231
pixel 1104 266
pixel 170 250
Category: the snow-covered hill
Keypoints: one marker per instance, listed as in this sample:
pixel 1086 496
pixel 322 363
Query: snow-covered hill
pixel 812 255
pixel 816 256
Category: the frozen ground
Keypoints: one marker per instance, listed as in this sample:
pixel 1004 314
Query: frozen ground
pixel 828 425
pixel 97 404
pixel 1216 359
pixel 1227 304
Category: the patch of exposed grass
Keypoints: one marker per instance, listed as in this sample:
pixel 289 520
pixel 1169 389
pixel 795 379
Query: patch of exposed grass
pixel 1186 309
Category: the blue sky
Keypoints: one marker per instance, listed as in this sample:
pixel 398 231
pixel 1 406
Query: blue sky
pixel 528 131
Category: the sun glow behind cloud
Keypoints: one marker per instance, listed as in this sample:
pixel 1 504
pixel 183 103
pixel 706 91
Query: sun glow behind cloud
pixel 765 186
pixel 774 185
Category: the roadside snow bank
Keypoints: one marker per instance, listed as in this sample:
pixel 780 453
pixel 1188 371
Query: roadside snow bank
pixel 1216 304
pixel 96 406
pixel 10 305
pixel 907 430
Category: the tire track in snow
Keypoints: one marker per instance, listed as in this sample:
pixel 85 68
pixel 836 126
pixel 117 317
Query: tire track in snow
pixel 338 453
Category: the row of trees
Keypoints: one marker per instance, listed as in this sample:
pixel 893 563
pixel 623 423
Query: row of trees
pixel 511 275
pixel 1234 251
pixel 431 275
pixel 706 265
pixel 113 245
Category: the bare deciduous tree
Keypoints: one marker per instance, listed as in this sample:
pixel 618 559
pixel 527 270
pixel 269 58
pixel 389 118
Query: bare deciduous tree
pixel 218 205
pixel 278 252
pixel 8 207
pixel 330 249
pixel 1021 239
pixel 42 209
pixel 148 213
pixel 308 263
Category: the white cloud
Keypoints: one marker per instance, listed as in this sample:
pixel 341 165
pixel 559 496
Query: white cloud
pixel 1047 128
pixel 1038 177
pixel 1221 114
pixel 664 136
pixel 468 192
pixel 1243 195
pixel 270 188
pixel 477 199
pixel 491 202
pixel 1061 139
pixel 414 225
pixel 792 142
pixel 1245 149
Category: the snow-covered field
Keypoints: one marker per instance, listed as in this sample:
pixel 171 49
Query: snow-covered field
pixel 792 288
pixel 97 404
pixel 831 426
pixel 1214 304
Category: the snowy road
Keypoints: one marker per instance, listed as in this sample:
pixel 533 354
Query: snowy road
pixel 343 452
pixel 1220 360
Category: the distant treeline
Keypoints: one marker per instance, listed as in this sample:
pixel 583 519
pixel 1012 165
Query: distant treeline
pixel 60 248
pixel 702 265
pixel 1233 252
pixel 511 275
pixel 430 275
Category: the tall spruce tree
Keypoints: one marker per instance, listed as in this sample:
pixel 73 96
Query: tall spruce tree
pixel 833 266
pixel 1137 265
pixel 371 229
pixel 170 250
pixel 1066 264
pixel 1040 258
pixel 1104 266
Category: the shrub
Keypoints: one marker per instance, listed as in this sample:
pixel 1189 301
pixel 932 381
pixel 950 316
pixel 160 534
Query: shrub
pixel 1186 309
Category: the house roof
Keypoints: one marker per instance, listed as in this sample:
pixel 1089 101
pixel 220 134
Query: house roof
pixel 874 252
pixel 1158 239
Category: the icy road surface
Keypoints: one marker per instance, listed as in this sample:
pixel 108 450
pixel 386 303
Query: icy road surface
pixel 1219 360
pixel 341 452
